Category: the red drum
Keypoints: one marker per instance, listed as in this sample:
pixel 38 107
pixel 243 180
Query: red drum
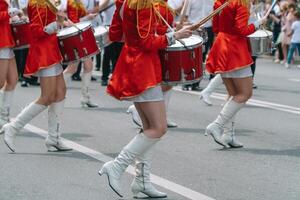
pixel 182 64
pixel 77 42
pixel 21 34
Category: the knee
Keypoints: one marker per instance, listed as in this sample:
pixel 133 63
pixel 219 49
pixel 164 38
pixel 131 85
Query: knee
pixel 161 129
pixel 243 98
pixel 12 82
pixel 48 99
pixel 60 94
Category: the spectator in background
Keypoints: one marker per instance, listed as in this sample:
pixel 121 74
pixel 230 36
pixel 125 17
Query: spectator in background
pixel 287 20
pixel 295 41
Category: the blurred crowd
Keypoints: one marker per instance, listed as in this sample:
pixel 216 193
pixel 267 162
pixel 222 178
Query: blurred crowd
pixel 285 25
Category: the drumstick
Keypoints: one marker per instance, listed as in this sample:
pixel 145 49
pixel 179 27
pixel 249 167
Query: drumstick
pixel 271 8
pixel 168 25
pixel 256 8
pixel 52 7
pixel 206 19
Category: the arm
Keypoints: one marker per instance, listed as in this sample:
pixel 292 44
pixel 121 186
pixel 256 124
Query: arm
pixel 101 6
pixel 149 41
pixel 73 13
pixel 4 16
pixel 116 29
pixel 241 22
pixel 37 29
pixel 215 20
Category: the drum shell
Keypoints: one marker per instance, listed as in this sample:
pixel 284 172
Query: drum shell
pixel 261 45
pixel 181 66
pixel 102 37
pixel 21 33
pixel 78 46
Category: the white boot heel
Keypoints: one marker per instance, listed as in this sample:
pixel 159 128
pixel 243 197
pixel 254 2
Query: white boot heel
pixel 141 183
pixel 113 181
pixel 216 132
pixel 114 169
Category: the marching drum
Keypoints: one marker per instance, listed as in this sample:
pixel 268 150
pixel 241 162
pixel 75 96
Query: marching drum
pixel 261 42
pixel 101 35
pixel 182 64
pixel 21 34
pixel 202 32
pixel 77 42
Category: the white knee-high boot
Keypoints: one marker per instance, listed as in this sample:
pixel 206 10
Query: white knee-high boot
pixel 5 102
pixel 141 182
pixel 216 128
pixel 228 135
pixel 134 115
pixel 53 140
pixel 67 78
pixel 213 84
pixel 167 97
pixel 11 129
pixel 114 169
pixel 86 99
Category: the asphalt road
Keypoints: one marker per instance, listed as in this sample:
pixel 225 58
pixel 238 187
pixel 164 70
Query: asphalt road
pixel 268 168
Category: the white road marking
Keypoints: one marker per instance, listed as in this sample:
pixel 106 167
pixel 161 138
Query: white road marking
pixel 169 185
pixel 253 102
pixel 294 80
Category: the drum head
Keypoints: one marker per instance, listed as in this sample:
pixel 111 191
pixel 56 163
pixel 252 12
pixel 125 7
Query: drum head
pixel 100 30
pixel 73 30
pixel 191 42
pixel 261 34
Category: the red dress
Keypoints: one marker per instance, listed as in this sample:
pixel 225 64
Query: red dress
pixel 231 49
pixel 6 39
pixel 138 67
pixel 43 51
pixel 75 10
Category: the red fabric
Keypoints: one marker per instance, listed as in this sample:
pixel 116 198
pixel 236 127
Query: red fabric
pixel 75 11
pixel 166 13
pixel 43 51
pixel 138 67
pixel 6 39
pixel 231 50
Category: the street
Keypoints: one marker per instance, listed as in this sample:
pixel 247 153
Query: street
pixel 186 164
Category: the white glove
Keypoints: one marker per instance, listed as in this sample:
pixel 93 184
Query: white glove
pixel 259 22
pixel 171 38
pixel 51 28
pixel 13 12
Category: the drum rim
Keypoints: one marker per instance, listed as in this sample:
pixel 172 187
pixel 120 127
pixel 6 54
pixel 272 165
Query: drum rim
pixel 81 59
pixel 182 48
pixel 269 34
pixel 192 47
pixel 74 33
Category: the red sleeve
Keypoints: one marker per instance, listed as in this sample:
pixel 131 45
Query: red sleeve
pixel 150 41
pixel 215 20
pixel 73 13
pixel 241 21
pixel 116 29
pixel 162 28
pixel 36 27
pixel 4 16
